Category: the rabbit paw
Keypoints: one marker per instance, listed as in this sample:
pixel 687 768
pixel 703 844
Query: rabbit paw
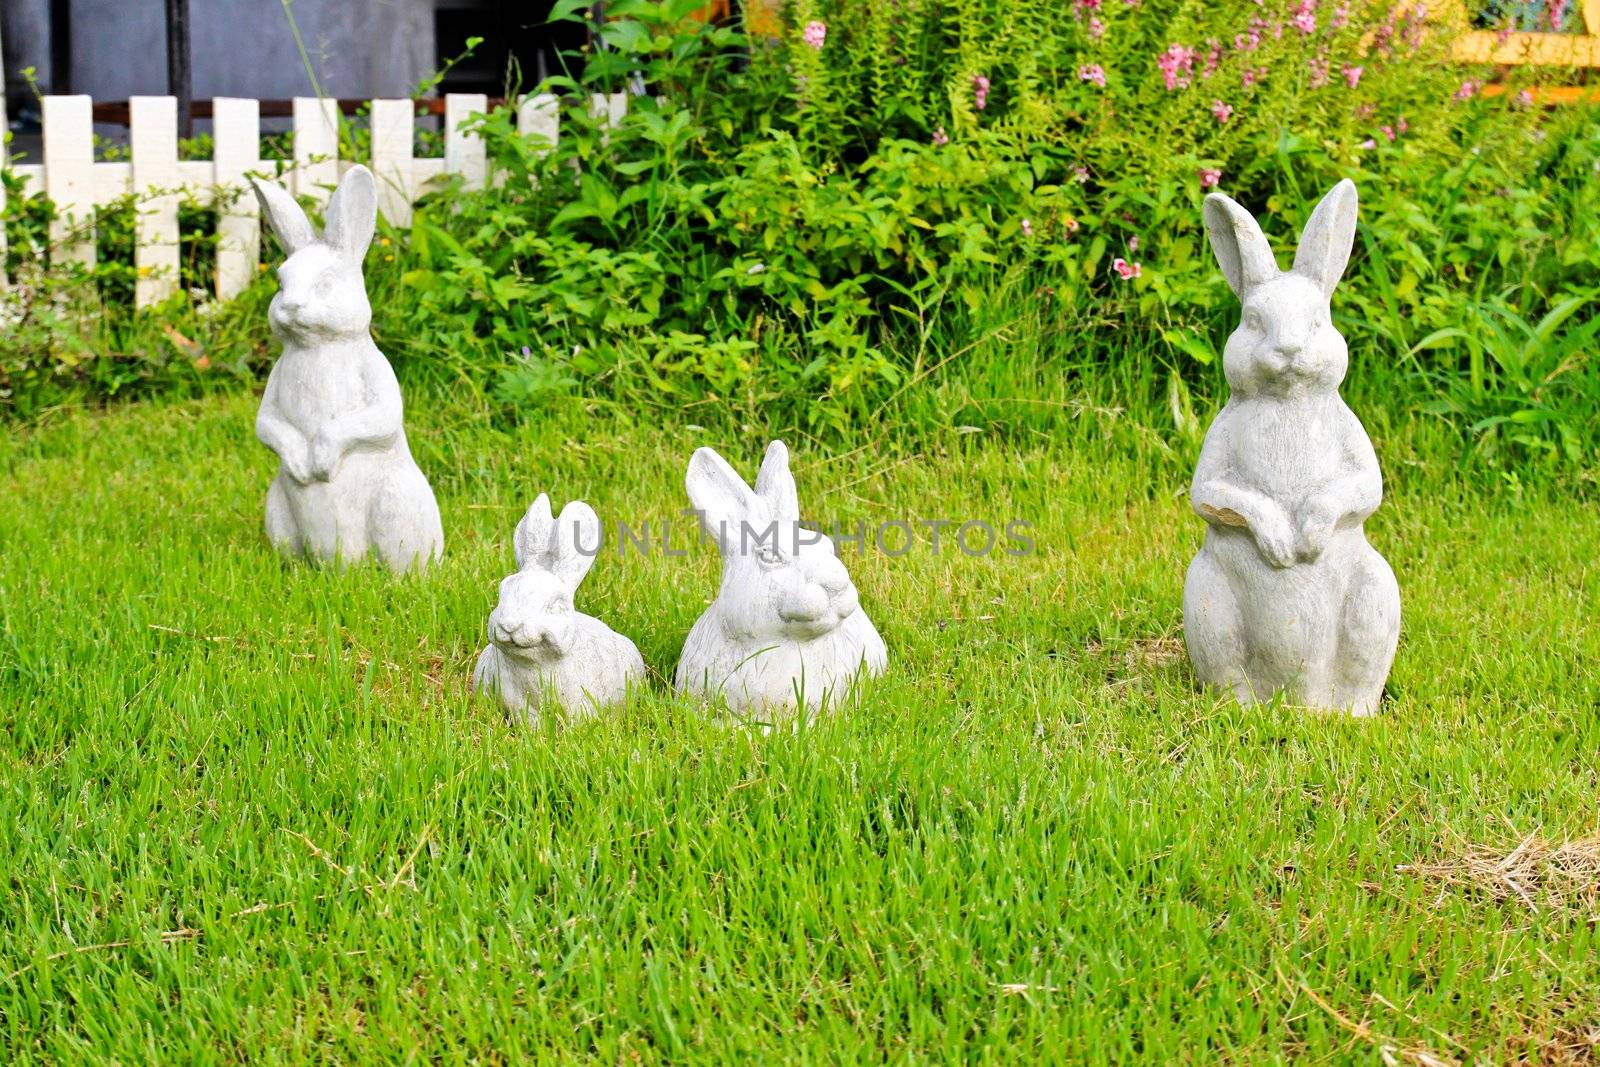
pixel 1313 538
pixel 323 457
pixel 296 463
pixel 1276 542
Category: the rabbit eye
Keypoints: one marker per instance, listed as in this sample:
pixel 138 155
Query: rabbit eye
pixel 555 607
pixel 769 556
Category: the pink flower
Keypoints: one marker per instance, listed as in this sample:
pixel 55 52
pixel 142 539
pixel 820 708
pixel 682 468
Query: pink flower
pixel 1468 90
pixel 815 34
pixel 1558 13
pixel 1027 228
pixel 1176 64
pixel 1095 28
pixel 940 137
pixel 1387 131
pixel 1125 269
pixel 1352 75
pixel 1305 18
pixel 1080 173
pixel 1213 57
pixel 1400 124
pixel 1080 6
pixel 1523 99
pixel 1366 111
pixel 1071 224
pixel 1250 75
pixel 980 91
pixel 1093 72
pixel 1209 177
pixel 1341 15
pixel 1133 243
pixel 1220 111
pixel 1369 143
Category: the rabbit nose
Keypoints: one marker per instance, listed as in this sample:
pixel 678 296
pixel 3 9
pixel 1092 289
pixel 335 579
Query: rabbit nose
pixel 834 579
pixel 809 603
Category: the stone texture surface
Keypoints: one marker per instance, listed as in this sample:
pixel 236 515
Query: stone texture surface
pixel 541 649
pixel 346 482
pixel 1286 594
pixel 787 629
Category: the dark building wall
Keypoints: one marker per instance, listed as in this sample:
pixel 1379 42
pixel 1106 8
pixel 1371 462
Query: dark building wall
pixel 357 48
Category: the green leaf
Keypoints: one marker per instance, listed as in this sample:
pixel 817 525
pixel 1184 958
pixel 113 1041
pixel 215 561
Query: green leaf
pixel 1192 344
pixel 568 11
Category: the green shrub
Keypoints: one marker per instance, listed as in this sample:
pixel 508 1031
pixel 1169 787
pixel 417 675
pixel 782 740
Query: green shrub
pixel 802 230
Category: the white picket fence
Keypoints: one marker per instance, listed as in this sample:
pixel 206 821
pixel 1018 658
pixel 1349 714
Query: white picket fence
pixel 71 178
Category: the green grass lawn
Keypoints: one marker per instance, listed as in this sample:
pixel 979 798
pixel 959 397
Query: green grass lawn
pixel 251 811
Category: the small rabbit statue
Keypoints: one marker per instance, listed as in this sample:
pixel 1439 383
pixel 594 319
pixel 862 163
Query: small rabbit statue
pixel 346 481
pixel 1286 593
pixel 540 648
pixel 787 625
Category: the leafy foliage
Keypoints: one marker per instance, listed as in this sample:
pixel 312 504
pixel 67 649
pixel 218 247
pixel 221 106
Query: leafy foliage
pixel 803 230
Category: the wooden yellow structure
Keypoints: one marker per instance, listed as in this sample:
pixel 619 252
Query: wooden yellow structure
pixel 1534 49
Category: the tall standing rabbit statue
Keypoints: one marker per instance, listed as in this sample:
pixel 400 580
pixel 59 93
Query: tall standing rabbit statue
pixel 346 481
pixel 786 628
pixel 542 651
pixel 1286 594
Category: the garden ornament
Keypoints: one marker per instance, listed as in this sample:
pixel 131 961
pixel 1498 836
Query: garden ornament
pixel 786 629
pixel 541 650
pixel 346 481
pixel 1286 594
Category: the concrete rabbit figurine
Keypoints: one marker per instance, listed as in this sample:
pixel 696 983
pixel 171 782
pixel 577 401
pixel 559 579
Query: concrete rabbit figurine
pixel 786 628
pixel 1286 593
pixel 346 481
pixel 541 649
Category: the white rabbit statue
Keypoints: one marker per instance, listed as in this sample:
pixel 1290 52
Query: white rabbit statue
pixel 346 481
pixel 787 626
pixel 1286 594
pixel 540 648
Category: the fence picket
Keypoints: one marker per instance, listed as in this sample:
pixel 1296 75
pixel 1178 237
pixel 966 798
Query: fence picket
pixel 393 126
pixel 236 133
pixel 540 116
pixel 316 147
pixel 609 108
pixel 153 137
pixel 69 175
pixel 463 151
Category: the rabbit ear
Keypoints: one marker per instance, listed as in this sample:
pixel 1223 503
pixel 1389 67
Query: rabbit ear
pixel 1241 248
pixel 289 223
pixel 352 214
pixel 532 539
pixel 1329 235
pixel 721 497
pixel 775 484
pixel 575 544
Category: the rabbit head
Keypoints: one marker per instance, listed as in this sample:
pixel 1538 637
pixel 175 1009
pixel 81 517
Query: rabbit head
pixel 778 581
pixel 534 621
pixel 1286 341
pixel 321 293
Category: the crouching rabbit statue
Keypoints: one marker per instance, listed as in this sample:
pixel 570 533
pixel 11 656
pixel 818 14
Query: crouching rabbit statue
pixel 541 650
pixel 346 481
pixel 786 629
pixel 1286 594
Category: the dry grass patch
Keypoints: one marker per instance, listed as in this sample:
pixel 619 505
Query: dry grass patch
pixel 1545 875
